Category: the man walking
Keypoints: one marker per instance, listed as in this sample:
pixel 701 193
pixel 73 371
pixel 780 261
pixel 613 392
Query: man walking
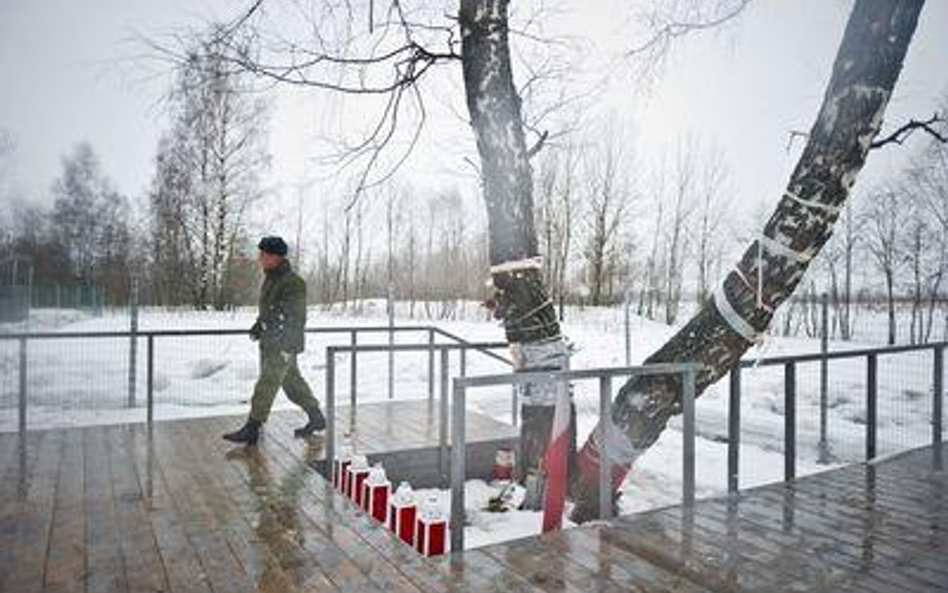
pixel 279 329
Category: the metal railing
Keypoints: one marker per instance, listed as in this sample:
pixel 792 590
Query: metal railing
pixel 790 363
pixel 687 371
pixel 444 350
pixel 152 336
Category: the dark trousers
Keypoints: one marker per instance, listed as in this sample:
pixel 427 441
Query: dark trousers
pixel 274 374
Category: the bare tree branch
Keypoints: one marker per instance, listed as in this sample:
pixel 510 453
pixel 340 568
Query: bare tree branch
pixel 900 135
pixel 538 146
pixel 668 28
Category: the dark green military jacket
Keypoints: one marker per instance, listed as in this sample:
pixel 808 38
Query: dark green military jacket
pixel 282 310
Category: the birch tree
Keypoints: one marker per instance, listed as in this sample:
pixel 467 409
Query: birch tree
pixel 709 229
pixel 522 299
pixel 558 208
pixel 884 219
pixel 607 198
pixel 209 169
pixel 864 74
pixel 90 221
pixel 839 255
pixel 677 239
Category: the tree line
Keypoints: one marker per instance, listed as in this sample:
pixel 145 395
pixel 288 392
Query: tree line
pixel 185 242
pixel 612 229
pixel 612 226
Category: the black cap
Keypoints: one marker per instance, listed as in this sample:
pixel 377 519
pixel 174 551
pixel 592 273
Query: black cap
pixel 274 245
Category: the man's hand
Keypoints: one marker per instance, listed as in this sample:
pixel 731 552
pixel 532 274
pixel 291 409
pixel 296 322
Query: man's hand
pixel 289 358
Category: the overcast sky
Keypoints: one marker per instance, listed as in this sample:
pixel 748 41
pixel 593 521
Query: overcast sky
pixel 65 76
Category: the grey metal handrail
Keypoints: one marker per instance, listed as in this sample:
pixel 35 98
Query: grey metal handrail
pixel 444 349
pixel 688 371
pixel 838 354
pixel 790 362
pixel 151 335
pixel 473 345
pixel 207 332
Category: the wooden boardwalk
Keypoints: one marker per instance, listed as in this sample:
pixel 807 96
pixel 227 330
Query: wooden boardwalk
pixel 121 508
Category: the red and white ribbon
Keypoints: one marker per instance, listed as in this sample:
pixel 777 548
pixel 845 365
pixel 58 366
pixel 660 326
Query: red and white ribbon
pixel 555 462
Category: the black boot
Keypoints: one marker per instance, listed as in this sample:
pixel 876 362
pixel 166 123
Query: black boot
pixel 316 422
pixel 249 434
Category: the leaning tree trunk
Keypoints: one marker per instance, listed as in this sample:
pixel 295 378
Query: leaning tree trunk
pixel 867 65
pixel 520 296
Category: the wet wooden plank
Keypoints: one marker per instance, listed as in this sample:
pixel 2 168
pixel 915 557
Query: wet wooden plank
pixel 235 523
pixel 9 446
pixel 181 565
pixel 901 489
pixel 192 501
pixel 258 517
pixel 66 561
pixel 901 498
pixel 791 559
pixel 34 511
pixel 333 531
pixel 143 566
pixel 477 570
pixel 837 508
pixel 548 569
pixel 856 537
pixel 262 491
pixel 14 487
pixel 128 512
pixel 273 502
pixel 701 552
pixel 105 570
pixel 891 514
pixel 794 552
pixel 760 515
pixel 595 544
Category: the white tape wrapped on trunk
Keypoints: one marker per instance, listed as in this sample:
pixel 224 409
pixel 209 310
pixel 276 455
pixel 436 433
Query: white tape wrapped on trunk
pixel 552 354
pixel 732 317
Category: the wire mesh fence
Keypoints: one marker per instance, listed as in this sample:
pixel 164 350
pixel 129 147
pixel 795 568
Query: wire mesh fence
pixel 876 402
pixel 18 300
pixel 98 377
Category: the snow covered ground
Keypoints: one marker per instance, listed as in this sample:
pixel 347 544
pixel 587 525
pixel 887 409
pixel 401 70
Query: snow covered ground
pixel 77 382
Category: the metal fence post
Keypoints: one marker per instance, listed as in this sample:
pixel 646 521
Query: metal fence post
pixel 29 294
pixel 514 404
pixel 431 364
pixel 458 471
pixel 353 371
pixel 872 392
pixel 463 369
pixel 734 429
pixel 688 451
pixel 790 421
pixel 22 404
pixel 330 407
pixel 628 328
pixel 150 388
pixel 391 341
pixel 823 447
pixel 605 466
pixel 443 419
pixel 938 380
pixel 133 342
